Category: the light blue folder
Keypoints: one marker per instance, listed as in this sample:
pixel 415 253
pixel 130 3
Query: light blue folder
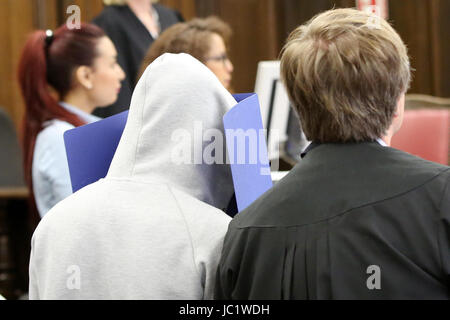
pixel 90 149
pixel 249 165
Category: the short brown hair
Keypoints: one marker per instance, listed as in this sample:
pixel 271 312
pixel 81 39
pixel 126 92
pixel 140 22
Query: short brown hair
pixel 344 75
pixel 192 37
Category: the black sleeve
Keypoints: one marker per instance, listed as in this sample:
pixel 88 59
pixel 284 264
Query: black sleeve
pixel 102 21
pixel 225 276
pixel 221 291
pixel 444 230
pixel 167 16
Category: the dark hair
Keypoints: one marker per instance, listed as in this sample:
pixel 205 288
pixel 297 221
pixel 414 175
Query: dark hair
pixel 192 37
pixel 46 63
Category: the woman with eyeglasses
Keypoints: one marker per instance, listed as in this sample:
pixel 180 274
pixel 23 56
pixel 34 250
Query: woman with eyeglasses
pixel 206 39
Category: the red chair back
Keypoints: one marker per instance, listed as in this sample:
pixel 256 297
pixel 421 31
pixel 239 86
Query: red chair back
pixel 425 133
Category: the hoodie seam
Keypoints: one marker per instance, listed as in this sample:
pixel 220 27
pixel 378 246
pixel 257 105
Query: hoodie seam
pixel 188 232
pixel 140 128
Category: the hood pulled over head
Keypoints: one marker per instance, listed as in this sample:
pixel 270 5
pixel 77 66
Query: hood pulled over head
pixel 174 105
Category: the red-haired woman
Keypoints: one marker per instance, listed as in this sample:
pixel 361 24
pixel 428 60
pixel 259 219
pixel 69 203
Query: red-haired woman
pixel 63 76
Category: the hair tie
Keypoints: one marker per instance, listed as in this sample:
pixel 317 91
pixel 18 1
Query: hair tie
pixel 48 37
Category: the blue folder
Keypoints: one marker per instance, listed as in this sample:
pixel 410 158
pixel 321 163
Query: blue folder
pixel 249 165
pixel 90 149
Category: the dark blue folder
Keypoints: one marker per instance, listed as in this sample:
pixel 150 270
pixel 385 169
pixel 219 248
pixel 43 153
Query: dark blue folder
pixel 90 149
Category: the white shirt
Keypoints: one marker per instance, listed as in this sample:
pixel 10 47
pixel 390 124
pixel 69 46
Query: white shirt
pixel 50 171
pixel 381 141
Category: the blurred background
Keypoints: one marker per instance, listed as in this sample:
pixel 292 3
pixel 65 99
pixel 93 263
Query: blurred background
pixel 260 28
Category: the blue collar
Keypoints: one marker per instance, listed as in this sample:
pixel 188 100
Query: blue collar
pixel 84 116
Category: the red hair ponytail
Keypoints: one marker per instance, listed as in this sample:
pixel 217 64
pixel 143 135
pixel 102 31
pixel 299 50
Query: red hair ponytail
pixel 42 66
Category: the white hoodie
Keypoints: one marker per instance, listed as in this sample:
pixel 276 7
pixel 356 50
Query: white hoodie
pixel 149 229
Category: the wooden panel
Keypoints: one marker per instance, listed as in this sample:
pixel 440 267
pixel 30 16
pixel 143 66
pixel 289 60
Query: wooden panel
pixel 295 13
pixel 89 8
pixel 440 26
pixel 254 36
pixel 5 57
pixel 411 20
pixel 17 192
pixel 260 29
pixel 205 8
pixel 186 7
pixel 16 22
pixel 422 24
pixel 45 14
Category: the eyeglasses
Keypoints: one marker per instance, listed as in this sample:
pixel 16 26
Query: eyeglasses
pixel 223 58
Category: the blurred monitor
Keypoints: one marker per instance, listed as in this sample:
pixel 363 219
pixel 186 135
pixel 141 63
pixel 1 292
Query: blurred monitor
pixel 285 139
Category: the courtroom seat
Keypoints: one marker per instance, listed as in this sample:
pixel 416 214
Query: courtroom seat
pixel 425 133
pixel 11 173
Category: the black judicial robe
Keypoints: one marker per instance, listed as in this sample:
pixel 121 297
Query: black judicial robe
pixel 132 40
pixel 350 221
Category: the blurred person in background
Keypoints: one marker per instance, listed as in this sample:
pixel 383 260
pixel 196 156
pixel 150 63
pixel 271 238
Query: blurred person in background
pixel 206 39
pixel 132 25
pixel 63 77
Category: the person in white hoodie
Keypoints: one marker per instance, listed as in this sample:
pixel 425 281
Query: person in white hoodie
pixel 152 228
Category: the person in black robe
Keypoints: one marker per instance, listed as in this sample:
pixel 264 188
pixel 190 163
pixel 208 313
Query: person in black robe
pixel 355 219
pixel 132 37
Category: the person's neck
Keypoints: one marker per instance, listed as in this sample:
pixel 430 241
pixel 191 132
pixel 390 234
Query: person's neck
pixel 139 6
pixel 387 138
pixel 79 101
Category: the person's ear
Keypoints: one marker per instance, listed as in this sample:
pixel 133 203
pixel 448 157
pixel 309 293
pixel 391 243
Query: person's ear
pixel 399 113
pixel 83 75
